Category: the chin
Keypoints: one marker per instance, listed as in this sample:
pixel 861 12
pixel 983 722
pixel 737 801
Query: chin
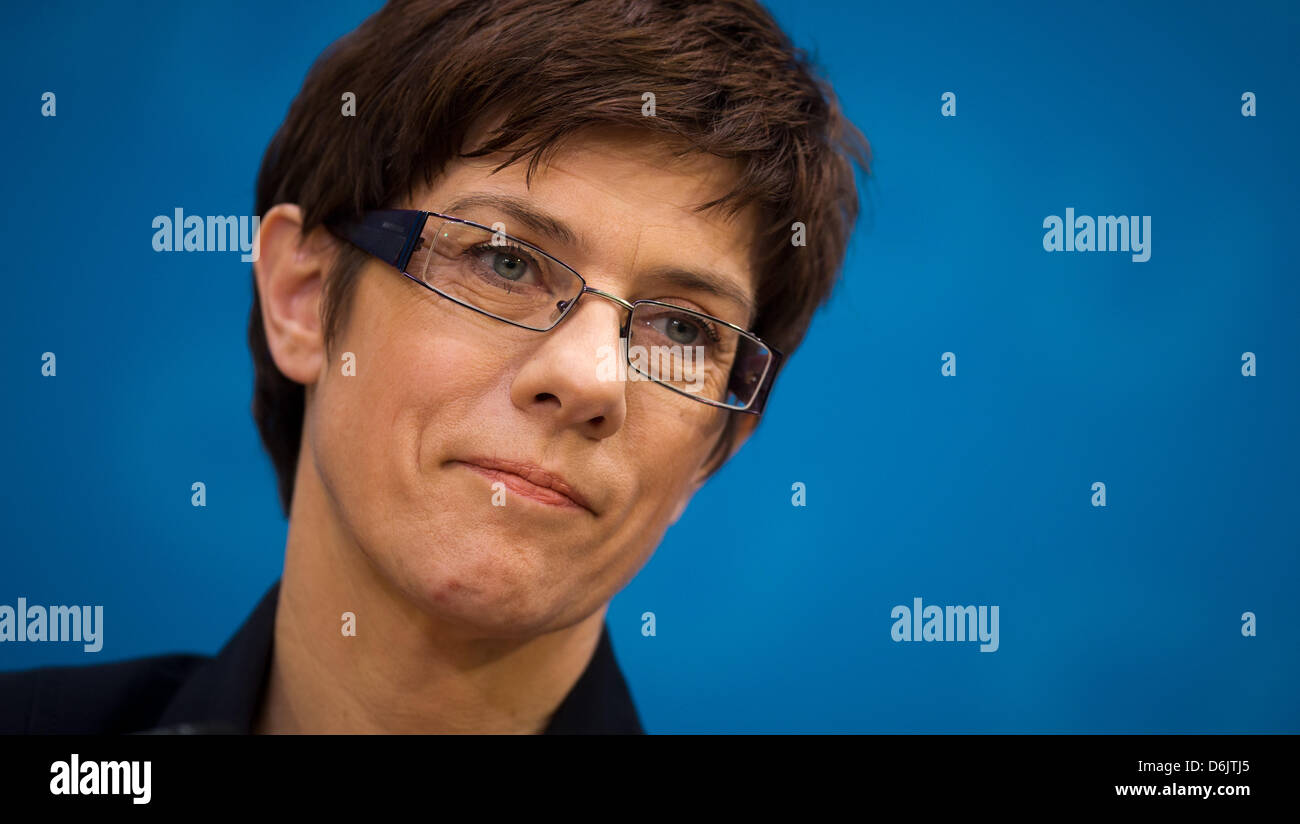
pixel 498 592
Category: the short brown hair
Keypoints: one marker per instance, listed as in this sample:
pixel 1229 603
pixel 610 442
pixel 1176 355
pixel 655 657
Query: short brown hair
pixel 726 79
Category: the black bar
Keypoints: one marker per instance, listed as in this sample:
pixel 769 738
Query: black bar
pixel 973 772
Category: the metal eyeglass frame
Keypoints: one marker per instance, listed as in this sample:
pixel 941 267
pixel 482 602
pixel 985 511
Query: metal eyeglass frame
pixel 392 236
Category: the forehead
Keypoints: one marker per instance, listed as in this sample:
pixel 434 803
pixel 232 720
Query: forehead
pixel 614 197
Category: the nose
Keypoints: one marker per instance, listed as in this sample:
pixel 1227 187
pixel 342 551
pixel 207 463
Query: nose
pixel 571 378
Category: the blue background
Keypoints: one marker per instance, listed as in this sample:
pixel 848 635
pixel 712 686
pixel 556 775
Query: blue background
pixel 973 489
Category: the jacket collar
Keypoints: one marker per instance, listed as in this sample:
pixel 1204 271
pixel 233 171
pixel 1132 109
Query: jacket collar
pixel 225 693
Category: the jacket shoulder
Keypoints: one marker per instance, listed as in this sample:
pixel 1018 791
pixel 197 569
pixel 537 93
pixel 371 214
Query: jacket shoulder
pixel 112 698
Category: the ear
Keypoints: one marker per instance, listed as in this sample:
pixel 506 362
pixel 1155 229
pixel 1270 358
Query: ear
pixel 290 273
pixel 744 428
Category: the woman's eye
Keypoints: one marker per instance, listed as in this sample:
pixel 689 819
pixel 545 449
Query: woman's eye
pixel 680 330
pixel 508 266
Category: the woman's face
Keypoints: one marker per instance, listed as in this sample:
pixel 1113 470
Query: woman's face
pixel 495 474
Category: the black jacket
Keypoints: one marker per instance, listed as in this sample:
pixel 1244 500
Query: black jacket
pixel 188 693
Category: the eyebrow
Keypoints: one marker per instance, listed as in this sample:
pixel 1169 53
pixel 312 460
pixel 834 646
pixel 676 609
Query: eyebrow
pixel 710 282
pixel 519 209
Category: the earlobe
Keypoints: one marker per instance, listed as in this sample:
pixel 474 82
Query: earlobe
pixel 744 428
pixel 290 276
pixel 696 483
pixel 681 505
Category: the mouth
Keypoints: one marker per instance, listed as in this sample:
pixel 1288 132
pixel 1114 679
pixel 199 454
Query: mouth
pixel 529 481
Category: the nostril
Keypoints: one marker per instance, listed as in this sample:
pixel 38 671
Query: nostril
pixel 546 396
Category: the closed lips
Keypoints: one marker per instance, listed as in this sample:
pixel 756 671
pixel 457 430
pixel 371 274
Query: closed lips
pixel 531 480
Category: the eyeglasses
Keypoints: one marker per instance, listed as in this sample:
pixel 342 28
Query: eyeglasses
pixel 694 354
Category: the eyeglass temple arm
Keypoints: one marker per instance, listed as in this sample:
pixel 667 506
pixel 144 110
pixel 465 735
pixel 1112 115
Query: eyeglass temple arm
pixel 388 234
pixel 773 369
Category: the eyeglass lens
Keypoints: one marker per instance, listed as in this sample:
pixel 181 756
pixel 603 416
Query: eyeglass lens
pixel 503 277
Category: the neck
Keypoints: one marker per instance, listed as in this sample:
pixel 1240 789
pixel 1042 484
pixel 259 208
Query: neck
pixel 405 669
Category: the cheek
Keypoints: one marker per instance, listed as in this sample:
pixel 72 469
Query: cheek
pixel 412 375
pixel 667 444
pixel 409 399
pixel 662 453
